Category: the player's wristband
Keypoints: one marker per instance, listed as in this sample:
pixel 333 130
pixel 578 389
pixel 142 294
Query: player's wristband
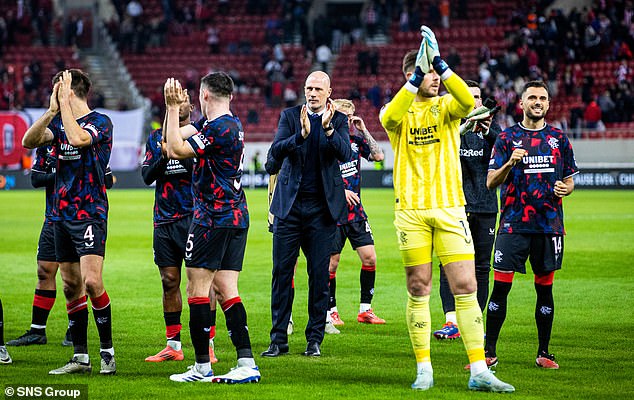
pixel 417 77
pixel 441 67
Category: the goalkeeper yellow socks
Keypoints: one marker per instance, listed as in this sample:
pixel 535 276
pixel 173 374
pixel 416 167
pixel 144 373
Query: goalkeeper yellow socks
pixel 471 329
pixel 419 327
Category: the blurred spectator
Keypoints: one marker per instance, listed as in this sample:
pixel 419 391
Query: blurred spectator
pixel 323 56
pixel 592 116
pixel 370 18
pixel 213 40
pixel 433 14
pixel 607 106
pixel 453 58
pixel 134 10
pixel 373 59
pixel 290 95
pixel 623 72
pixel 363 61
pixel 403 19
pixel 445 11
pixel 203 13
pixel 252 116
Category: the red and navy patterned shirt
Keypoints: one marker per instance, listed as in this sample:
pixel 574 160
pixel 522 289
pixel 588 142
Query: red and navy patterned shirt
pixel 219 201
pixel 351 174
pixel 45 164
pixel 528 202
pixel 173 193
pixel 80 181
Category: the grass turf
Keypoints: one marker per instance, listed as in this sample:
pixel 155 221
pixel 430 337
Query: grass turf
pixel 592 335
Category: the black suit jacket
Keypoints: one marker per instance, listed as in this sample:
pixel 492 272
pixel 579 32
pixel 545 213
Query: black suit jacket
pixel 290 149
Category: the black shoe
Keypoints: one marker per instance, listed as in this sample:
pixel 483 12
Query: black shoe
pixel 275 350
pixel 28 339
pixel 312 350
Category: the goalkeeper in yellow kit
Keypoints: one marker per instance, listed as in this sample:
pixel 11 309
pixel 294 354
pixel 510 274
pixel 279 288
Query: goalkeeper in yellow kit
pixel 423 129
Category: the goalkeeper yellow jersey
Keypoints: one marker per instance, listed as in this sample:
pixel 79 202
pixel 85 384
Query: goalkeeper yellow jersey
pixel 425 139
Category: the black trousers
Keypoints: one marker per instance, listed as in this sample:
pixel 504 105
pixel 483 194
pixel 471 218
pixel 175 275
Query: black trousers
pixel 308 226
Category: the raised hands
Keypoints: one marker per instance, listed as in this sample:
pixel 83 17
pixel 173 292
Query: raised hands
pixel 53 105
pixel 174 93
pixel 64 92
pixel 326 117
pixel 357 122
pixel 305 121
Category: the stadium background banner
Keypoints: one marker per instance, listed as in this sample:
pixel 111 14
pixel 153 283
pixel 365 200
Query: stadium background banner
pixel 613 178
pixel 127 138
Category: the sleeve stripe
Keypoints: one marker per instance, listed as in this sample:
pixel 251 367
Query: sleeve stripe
pixel 411 88
pixel 91 129
pixel 445 75
pixel 199 142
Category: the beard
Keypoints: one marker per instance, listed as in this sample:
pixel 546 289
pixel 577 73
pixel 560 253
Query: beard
pixel 533 117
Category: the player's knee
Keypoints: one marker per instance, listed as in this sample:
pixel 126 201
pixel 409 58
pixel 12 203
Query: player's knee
pixel 46 272
pixel 170 281
pixel 369 260
pixel 417 287
pixel 94 286
pixel 71 289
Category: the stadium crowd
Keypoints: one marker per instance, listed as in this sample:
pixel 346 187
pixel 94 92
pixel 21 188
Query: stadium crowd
pixel 541 44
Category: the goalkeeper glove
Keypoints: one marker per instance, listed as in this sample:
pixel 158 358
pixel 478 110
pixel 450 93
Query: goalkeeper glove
pixel 422 61
pixel 433 53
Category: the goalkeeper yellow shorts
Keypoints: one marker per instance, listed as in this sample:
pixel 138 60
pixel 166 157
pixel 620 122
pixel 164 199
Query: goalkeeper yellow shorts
pixel 441 230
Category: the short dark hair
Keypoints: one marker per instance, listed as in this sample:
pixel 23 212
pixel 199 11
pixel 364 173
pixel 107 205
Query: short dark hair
pixel 409 61
pixel 539 84
pixel 471 83
pixel 80 83
pixel 218 83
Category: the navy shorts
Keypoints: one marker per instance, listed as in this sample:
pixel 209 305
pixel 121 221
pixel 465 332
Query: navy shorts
pixel 169 242
pixel 46 244
pixel 359 233
pixel 482 228
pixel 74 239
pixel 545 252
pixel 215 248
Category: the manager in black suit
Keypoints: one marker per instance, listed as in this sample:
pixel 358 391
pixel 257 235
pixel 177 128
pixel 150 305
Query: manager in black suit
pixel 307 203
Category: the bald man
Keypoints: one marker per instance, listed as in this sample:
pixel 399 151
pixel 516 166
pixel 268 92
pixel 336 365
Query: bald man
pixel 307 203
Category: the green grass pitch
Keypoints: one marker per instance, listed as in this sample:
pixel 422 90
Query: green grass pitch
pixel 592 335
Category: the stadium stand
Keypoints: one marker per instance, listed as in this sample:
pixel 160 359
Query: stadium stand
pixel 494 44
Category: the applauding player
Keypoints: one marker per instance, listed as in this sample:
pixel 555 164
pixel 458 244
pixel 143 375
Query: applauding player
pixel 217 237
pixel 173 205
pixel 429 205
pixel 356 227
pixel 82 139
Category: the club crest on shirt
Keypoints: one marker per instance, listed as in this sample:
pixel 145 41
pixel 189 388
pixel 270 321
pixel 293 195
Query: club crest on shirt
pixel 435 110
pixel 553 143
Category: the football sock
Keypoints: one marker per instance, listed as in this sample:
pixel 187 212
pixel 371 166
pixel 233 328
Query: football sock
pixel 367 277
pixel 78 322
pixel 544 315
pixel 446 297
pixel 469 319
pixel 43 301
pixel 236 319
pixel 173 325
pixel 203 367
pixel 199 325
pixel 1 325
pixel 419 326
pixel 332 286
pixel 482 277
pixel 102 313
pixel 496 312
pixel 451 317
